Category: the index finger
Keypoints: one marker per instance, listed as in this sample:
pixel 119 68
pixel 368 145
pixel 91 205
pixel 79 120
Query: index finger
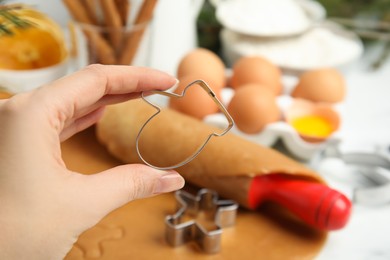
pixel 87 86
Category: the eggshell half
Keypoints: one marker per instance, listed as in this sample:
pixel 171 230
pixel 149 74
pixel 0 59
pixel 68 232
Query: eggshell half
pixel 301 107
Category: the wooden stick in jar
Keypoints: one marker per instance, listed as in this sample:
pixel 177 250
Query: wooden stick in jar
pixel 104 51
pixel 113 21
pixel 133 40
pixel 123 6
pixel 90 8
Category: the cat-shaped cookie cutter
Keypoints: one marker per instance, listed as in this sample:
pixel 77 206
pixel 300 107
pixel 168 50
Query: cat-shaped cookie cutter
pixel 211 93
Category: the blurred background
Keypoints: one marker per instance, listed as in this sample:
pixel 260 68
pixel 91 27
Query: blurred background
pixel 370 20
pixel 202 25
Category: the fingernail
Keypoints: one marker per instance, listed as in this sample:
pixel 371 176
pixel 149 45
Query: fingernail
pixel 168 182
pixel 174 86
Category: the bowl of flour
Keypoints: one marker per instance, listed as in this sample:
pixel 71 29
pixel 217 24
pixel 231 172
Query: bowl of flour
pixel 324 45
pixel 264 18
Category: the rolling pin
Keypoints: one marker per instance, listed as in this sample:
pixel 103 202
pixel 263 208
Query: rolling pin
pixel 232 166
pixel 314 203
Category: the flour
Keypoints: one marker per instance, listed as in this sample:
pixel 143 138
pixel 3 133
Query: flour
pixel 263 17
pixel 319 47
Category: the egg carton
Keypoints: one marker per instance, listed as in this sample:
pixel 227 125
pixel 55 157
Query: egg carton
pixel 295 145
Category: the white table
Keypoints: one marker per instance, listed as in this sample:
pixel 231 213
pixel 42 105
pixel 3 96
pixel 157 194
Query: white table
pixel 366 122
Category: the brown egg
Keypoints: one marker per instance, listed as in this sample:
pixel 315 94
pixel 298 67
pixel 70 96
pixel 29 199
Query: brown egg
pixel 203 64
pixel 255 69
pixel 196 102
pixel 321 85
pixel 253 107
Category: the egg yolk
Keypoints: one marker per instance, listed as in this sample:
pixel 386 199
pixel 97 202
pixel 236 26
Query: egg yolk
pixel 312 126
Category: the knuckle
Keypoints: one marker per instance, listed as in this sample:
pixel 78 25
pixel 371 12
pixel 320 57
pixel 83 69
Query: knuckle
pixel 98 74
pixel 95 68
pixel 97 71
pixel 15 105
pixel 136 184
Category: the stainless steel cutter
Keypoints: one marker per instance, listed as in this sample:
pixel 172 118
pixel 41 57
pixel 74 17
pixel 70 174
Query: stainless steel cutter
pixel 179 232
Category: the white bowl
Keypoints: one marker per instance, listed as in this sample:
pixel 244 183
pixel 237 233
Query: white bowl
pixel 324 45
pixel 263 18
pixel 16 81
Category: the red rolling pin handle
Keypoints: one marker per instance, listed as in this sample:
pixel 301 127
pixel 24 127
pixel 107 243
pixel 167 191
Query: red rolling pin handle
pixel 315 203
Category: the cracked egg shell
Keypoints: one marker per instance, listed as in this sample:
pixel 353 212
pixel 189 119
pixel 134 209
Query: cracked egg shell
pixel 314 122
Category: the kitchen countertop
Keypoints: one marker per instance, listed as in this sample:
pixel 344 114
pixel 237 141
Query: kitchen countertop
pixel 366 124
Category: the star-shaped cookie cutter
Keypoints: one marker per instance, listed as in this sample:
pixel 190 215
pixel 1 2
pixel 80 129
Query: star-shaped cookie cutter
pixel 178 233
pixel 211 93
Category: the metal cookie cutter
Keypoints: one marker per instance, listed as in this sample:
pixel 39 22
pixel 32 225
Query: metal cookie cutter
pixel 373 168
pixel 224 215
pixel 210 92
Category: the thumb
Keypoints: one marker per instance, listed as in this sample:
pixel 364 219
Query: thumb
pixel 115 187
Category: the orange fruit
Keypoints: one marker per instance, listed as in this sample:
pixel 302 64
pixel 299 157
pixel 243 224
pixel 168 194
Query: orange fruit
pixel 39 45
pixel 4 95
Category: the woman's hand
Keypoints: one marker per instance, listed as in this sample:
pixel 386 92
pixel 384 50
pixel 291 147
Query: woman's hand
pixel 44 207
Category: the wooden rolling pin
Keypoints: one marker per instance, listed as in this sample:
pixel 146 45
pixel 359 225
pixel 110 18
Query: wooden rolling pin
pixel 236 168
